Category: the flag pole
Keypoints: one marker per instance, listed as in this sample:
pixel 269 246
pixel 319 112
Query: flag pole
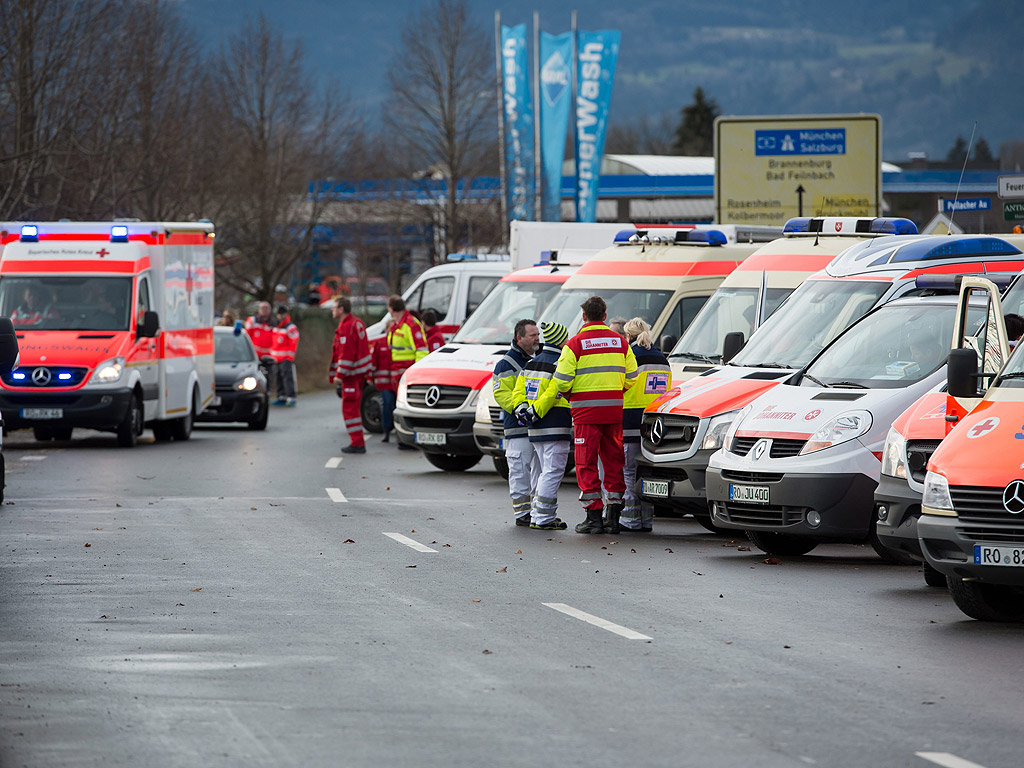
pixel 537 214
pixel 572 120
pixel 501 127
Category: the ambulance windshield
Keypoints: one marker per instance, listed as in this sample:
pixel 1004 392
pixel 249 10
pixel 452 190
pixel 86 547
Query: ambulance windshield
pixel 896 346
pixel 817 312
pixel 626 304
pixel 506 304
pixel 729 310
pixel 67 303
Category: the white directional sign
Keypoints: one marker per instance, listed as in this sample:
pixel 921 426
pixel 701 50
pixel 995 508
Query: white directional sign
pixel 770 169
pixel 1011 187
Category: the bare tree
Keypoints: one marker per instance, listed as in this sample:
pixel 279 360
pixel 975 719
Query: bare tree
pixel 440 106
pixel 278 136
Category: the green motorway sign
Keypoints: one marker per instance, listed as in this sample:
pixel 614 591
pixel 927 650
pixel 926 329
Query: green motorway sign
pixel 1013 211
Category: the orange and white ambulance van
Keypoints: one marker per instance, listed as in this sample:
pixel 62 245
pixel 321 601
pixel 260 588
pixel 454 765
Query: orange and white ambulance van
pixel 684 428
pixel 971 528
pixel 114 323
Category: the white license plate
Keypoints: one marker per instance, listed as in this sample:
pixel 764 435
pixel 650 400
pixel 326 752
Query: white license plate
pixel 751 494
pixel 654 488
pixel 431 438
pixel 42 413
pixel 986 554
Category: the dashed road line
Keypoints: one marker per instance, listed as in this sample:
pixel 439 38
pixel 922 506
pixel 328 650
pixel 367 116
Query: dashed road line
pixel 336 494
pixel 409 542
pixel 32 458
pixel 333 463
pixel 597 621
pixel 946 760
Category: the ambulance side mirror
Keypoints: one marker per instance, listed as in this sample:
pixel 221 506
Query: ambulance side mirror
pixel 8 345
pixel 667 342
pixel 962 373
pixel 732 344
pixel 150 325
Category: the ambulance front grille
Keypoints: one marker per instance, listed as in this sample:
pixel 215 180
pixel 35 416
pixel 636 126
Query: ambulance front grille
pixel 979 502
pixel 436 396
pixel 674 434
pixel 763 514
pixel 780 449
pixel 1013 535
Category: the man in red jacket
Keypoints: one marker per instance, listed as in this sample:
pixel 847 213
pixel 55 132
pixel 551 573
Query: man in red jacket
pixel 285 344
pixel 260 328
pixel 435 338
pixel 384 379
pixel 350 362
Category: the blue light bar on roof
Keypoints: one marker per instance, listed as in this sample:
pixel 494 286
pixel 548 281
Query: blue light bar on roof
pixel 709 236
pixel 893 226
pixel 623 235
pixel 119 233
pixel 952 282
pixel 797 226
pixel 29 233
pixel 952 247
pixel 861 225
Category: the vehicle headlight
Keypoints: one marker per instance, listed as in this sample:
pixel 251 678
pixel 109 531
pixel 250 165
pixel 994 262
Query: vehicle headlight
pixel 842 428
pixel 473 397
pixel 483 413
pixel 248 384
pixel 109 371
pixel 718 427
pixel 936 492
pixel 402 396
pixel 730 433
pixel 894 455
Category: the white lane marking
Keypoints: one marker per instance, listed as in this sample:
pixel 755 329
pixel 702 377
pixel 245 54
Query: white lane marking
pixel 946 760
pixel 333 463
pixel 597 621
pixel 32 458
pixel 336 494
pixel 409 542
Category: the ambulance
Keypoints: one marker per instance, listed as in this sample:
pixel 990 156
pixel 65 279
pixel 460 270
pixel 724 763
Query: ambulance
pixel 114 323
pixel 915 435
pixel 971 528
pixel 436 399
pixel 684 428
pixel 800 464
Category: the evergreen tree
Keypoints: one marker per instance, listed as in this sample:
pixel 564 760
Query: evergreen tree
pixel 958 153
pixel 695 135
pixel 982 153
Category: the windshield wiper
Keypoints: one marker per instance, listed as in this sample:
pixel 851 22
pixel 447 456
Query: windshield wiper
pixel 852 384
pixel 816 381
pixel 697 356
pixel 1015 375
pixel 772 365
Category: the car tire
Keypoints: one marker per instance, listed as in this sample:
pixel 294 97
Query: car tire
pixel 42 434
pixel 453 463
pixel 259 421
pixel 181 429
pixel 707 523
pixel 3 477
pixel 888 554
pixel 933 577
pixel 500 465
pixel 783 544
pixel 130 428
pixel 162 431
pixel 987 602
pixel 370 409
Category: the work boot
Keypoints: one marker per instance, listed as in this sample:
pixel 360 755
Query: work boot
pixel 611 522
pixel 594 522
pixel 523 522
pixel 387 437
pixel 553 525
pixel 354 449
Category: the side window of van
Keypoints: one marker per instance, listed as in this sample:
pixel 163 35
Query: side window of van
pixel 142 306
pixel 435 294
pixel 479 287
pixel 682 316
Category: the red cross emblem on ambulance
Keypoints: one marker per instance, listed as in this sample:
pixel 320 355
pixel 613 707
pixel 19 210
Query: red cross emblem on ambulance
pixel 982 428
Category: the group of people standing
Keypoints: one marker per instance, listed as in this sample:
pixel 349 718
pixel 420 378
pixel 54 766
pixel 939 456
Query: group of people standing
pixel 591 389
pixel 354 357
pixel 276 338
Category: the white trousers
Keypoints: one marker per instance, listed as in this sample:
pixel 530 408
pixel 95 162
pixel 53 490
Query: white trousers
pixel 631 514
pixel 551 457
pixel 523 468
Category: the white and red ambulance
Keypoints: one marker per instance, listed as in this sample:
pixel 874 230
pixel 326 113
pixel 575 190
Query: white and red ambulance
pixel 684 428
pixel 800 464
pixel 114 323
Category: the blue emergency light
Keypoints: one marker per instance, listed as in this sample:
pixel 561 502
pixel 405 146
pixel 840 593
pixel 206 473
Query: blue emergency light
pixel 953 247
pixel 706 236
pixel 876 226
pixel 29 233
pixel 19 376
pixel 119 233
pixel 952 282
pixel 624 236
pixel 893 226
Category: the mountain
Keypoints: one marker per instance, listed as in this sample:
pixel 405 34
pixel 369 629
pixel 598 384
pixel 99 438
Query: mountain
pixel 931 70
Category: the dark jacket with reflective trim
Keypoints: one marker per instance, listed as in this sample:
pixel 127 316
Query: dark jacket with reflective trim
pixel 654 378
pixel 503 380
pixel 536 386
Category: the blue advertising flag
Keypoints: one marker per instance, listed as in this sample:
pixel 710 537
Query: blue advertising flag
pixel 597 52
pixel 555 103
pixel 518 124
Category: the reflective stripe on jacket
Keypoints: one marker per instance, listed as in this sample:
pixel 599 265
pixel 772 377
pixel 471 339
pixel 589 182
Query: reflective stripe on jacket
pixel 596 366
pixel 503 382
pixel 380 360
pixel 536 386
pixel 350 354
pixel 653 379
pixel 407 342
pixel 286 340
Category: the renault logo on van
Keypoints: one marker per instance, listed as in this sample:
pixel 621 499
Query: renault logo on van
pixel 41 376
pixel 760 448
pixel 433 396
pixel 1013 497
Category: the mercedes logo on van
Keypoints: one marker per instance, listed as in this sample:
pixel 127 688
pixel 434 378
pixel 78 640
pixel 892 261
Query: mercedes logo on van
pixel 657 431
pixel 1013 497
pixel 41 376
pixel 760 448
pixel 433 396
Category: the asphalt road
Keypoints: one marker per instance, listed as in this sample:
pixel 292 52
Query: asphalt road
pixel 251 599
